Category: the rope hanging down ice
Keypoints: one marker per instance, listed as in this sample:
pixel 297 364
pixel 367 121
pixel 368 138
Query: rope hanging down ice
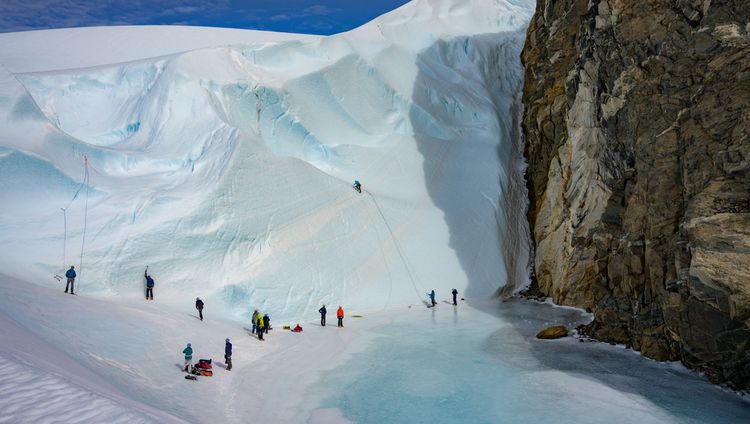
pixel 84 183
pixel 85 216
pixel 398 248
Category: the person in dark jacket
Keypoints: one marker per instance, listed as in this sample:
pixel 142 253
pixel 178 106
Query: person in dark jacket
pixel 149 285
pixel 228 355
pixel 455 293
pixel 432 298
pixel 254 319
pixel 266 323
pixel 199 307
pixel 71 275
pixel 323 313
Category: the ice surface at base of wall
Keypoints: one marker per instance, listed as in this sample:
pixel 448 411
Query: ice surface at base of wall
pixel 481 363
pixel 228 170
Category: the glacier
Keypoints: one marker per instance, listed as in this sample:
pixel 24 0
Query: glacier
pixel 227 168
pixel 223 160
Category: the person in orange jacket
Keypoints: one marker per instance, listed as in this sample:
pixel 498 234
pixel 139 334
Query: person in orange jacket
pixel 340 316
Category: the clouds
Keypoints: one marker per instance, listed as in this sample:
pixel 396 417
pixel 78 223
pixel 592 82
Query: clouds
pixel 315 10
pixel 307 16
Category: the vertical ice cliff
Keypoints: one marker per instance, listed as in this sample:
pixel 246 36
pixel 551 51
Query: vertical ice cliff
pixel 637 125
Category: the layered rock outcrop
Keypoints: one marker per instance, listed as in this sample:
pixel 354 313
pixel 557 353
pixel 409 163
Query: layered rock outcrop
pixel 637 127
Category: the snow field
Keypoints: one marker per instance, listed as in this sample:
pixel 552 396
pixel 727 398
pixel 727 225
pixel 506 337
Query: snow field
pixel 479 362
pixel 44 383
pixel 137 349
pixel 31 396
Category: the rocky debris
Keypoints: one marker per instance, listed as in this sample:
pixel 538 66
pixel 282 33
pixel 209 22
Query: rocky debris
pixel 554 332
pixel 637 129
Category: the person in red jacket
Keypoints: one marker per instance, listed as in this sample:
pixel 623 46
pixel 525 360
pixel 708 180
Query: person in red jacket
pixel 340 316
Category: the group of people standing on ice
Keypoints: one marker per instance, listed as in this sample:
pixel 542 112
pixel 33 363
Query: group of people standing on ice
pixel 261 324
pixel 188 352
pixel 434 302
pixel 339 314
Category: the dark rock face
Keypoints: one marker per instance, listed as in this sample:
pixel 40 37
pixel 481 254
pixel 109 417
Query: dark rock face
pixel 637 126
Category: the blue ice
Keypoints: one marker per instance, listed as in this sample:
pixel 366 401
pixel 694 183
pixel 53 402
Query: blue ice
pixel 447 365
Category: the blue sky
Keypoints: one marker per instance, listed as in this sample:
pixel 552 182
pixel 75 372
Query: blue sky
pixel 305 16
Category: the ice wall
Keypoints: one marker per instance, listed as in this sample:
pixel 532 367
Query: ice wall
pixel 227 170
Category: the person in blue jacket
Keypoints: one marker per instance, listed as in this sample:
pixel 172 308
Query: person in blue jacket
pixel 228 355
pixel 432 298
pixel 323 311
pixel 71 275
pixel 149 285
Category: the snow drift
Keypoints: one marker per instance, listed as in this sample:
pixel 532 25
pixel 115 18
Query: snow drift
pixel 227 169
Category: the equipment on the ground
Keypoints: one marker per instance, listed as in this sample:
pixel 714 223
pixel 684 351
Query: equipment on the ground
pixel 203 367
pixel 191 377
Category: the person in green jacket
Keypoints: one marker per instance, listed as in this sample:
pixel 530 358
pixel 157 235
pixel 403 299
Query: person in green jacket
pixel 260 327
pixel 188 352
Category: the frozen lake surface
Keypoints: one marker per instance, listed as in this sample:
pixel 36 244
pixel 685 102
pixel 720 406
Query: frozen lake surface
pixel 481 363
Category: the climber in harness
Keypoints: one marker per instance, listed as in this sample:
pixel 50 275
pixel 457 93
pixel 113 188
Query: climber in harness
pixel 357 186
pixel 149 285
pixel 71 276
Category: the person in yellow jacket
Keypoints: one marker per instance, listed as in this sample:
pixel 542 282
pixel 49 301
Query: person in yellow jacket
pixel 259 326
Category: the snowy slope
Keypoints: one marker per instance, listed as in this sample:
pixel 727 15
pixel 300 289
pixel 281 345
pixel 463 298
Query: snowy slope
pixel 43 384
pixel 73 48
pixel 228 169
pixel 92 360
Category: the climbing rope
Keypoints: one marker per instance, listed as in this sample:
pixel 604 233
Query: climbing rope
pixel 85 216
pixel 398 248
pixel 84 183
pixel 65 241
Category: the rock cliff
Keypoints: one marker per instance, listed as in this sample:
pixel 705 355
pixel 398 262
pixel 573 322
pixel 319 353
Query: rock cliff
pixel 637 127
